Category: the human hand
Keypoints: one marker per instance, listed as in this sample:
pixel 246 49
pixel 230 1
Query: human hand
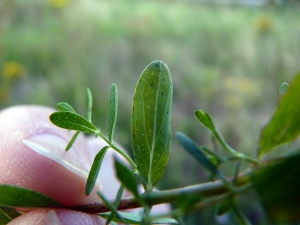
pixel 33 156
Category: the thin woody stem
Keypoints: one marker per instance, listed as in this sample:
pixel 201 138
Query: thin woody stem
pixel 205 190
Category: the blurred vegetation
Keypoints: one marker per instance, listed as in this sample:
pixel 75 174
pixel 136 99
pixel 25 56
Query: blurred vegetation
pixel 228 60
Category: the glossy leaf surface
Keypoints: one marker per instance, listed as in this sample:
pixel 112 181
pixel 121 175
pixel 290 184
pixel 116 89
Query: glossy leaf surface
pixel 285 123
pixel 113 111
pixel 21 197
pixel 136 218
pixel 277 185
pixel 151 129
pixel 72 121
pixel 95 170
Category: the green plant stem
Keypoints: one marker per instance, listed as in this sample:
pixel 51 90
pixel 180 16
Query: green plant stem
pixel 205 190
pixel 242 219
pixel 98 133
pixel 231 150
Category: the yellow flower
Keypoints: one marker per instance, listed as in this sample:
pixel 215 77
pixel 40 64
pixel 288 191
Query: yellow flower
pixel 58 3
pixel 263 23
pixel 12 70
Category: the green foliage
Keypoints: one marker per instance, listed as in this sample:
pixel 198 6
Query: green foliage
pixel 133 218
pixel 195 151
pixel 21 197
pixel 151 133
pixel 277 185
pixel 151 127
pixel 8 213
pixel 95 170
pixel 113 111
pixel 285 123
pixel 65 107
pixel 127 179
pixel 73 121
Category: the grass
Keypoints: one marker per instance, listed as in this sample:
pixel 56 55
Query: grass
pixel 227 60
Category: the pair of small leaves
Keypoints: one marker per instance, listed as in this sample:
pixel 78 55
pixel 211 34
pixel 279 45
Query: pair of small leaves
pixel 68 118
pixel 151 128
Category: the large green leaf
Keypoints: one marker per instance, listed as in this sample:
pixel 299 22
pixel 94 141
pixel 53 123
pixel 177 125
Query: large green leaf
pixel 277 186
pixel 72 121
pixel 285 123
pixel 15 196
pixel 134 218
pixel 151 128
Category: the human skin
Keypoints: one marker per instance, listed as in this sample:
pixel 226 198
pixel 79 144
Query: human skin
pixel 33 156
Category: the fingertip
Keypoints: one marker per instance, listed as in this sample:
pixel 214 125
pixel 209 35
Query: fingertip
pixel 57 217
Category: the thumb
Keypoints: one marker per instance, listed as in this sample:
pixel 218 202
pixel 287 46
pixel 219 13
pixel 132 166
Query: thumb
pixel 33 156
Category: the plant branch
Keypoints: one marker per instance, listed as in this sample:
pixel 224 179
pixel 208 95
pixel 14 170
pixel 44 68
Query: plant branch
pixel 205 190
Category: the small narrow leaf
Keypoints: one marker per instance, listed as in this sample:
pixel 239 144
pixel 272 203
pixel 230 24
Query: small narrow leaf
pixel 90 105
pixel 224 206
pixel 205 119
pixel 283 88
pixel 134 218
pixel 69 146
pixel 113 110
pixel 65 107
pixel 4 218
pixel 15 196
pixel 111 207
pixel 116 203
pixel 284 125
pixel 151 128
pixel 10 212
pixel 72 121
pixel 95 170
pixel 195 151
pixel 127 178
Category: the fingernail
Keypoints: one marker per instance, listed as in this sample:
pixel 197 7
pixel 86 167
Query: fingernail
pixel 53 147
pixel 50 218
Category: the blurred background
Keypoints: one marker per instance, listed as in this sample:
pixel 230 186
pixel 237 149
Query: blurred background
pixel 226 57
